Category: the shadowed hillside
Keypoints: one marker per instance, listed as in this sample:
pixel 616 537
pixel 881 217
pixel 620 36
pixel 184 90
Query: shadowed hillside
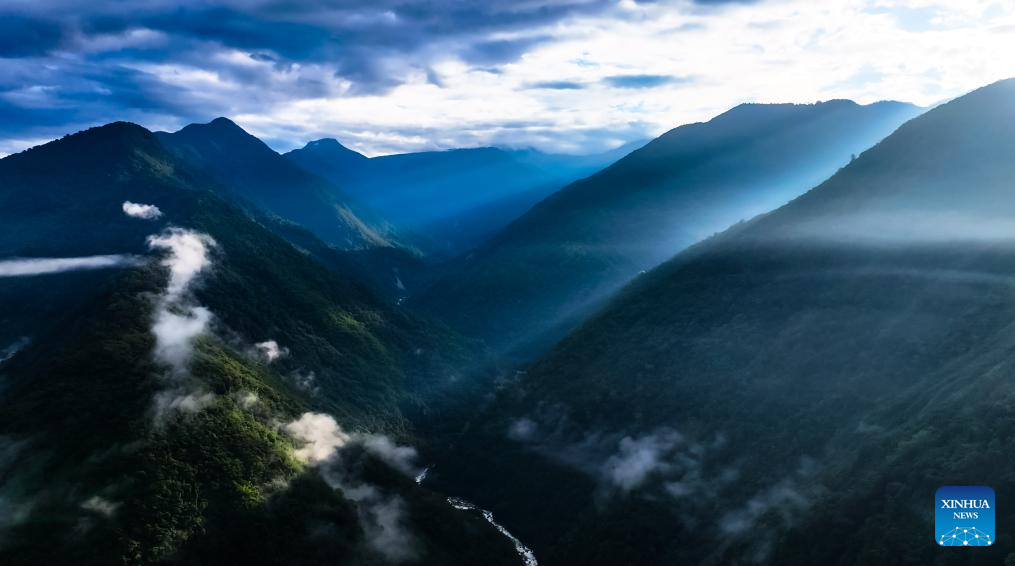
pixel 220 398
pixel 450 200
pixel 794 390
pixel 553 266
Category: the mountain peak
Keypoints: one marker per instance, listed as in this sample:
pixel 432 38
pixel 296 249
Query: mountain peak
pixel 223 121
pixel 100 144
pixel 220 126
pixel 330 148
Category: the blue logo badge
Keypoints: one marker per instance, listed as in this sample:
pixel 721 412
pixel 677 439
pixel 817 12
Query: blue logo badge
pixel 964 516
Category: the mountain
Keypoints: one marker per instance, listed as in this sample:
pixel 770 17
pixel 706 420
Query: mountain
pixel 792 391
pixel 451 200
pixel 329 159
pixel 215 395
pixel 246 168
pixel 549 269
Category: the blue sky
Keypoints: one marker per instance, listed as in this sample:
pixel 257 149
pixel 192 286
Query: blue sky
pixel 403 75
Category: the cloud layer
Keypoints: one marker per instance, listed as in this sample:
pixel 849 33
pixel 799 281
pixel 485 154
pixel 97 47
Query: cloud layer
pixel 397 75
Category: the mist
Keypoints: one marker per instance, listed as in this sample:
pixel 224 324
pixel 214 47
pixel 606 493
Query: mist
pixel 8 352
pixel 188 256
pixel 382 516
pixel 26 267
pixel 178 320
pixel 270 350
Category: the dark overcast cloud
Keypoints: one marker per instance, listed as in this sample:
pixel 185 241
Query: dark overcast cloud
pixel 68 64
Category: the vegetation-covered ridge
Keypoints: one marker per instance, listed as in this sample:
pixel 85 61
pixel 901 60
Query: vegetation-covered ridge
pixel 794 390
pixel 142 426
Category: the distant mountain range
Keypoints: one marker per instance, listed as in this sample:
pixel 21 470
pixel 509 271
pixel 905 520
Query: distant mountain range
pixel 451 201
pixel 250 170
pixel 793 390
pixel 544 273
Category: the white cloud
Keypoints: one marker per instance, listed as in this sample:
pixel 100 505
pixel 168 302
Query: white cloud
pixel 177 321
pixel 920 51
pixel 175 333
pixel 320 434
pixel 188 256
pixel 143 211
pixel 271 351
pixel 784 51
pixel 40 266
pixel 382 516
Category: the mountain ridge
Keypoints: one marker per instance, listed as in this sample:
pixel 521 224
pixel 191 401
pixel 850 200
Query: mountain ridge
pixel 450 199
pixel 750 381
pixel 248 168
pixel 559 261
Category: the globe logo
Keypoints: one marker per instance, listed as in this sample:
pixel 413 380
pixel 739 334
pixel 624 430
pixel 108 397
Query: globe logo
pixel 969 536
pixel 964 516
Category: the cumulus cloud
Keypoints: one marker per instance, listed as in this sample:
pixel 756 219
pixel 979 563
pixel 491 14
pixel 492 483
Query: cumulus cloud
pixel 270 350
pixel 175 329
pixel 320 434
pixel 382 516
pixel 22 267
pixel 178 321
pixel 143 211
pixel 401 75
pixel 187 257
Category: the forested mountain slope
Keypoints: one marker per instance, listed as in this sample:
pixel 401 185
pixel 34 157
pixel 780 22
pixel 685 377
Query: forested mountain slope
pixel 216 397
pixel 553 266
pixel 789 391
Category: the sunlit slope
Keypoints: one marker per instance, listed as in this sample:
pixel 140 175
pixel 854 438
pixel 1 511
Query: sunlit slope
pixel 794 390
pixel 556 264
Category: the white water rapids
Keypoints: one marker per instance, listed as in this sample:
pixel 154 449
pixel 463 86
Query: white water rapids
pixel 528 557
